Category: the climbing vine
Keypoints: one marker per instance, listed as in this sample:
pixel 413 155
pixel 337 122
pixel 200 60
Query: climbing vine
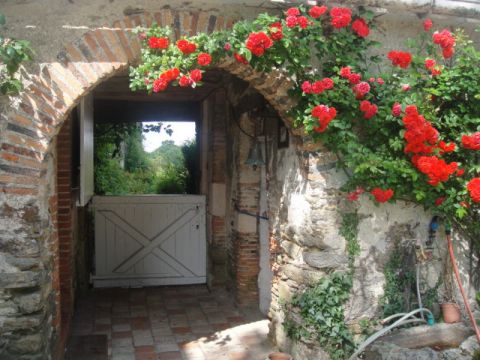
pixel 408 131
pixel 12 54
pixel 321 308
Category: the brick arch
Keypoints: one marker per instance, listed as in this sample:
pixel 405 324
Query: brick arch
pixel 93 58
pixel 27 134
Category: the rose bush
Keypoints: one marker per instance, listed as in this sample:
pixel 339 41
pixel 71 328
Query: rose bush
pixel 410 131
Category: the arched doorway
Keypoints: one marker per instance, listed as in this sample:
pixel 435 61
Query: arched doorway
pixel 44 107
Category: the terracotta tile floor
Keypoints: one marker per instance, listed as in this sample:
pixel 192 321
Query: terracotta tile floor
pixel 170 323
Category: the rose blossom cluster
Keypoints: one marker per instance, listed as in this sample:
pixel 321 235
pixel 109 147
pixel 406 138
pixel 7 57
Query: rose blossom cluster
pixel 318 86
pixel 158 43
pixel 294 18
pixel 360 27
pixel 258 42
pixel 369 110
pixel 324 114
pixel 446 41
pixel 341 17
pixel 382 195
pixel 436 169
pixel 193 77
pixel 471 142
pixel 473 188
pixel 164 79
pixel 420 135
pixel 431 65
pixel 186 47
pixel 401 59
pixel 353 78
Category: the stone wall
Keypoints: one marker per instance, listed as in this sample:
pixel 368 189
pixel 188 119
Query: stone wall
pixel 77 47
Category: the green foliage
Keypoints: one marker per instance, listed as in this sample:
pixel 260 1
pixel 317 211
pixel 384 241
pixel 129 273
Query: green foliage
pixel 399 289
pixel 322 311
pixel 136 176
pixel 12 54
pixel 171 180
pixel 477 297
pixel 192 165
pixel 372 150
pixel 349 230
pixel 321 307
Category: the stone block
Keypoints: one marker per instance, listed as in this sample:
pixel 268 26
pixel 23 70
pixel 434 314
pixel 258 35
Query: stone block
pixel 29 303
pixel 325 259
pixel 18 280
pixel 301 275
pixel 8 324
pixel 27 344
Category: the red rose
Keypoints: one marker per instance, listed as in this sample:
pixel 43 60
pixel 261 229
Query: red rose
pixel 317 11
pixel 448 52
pixel 380 81
pixel 158 43
pixel 257 43
pixel 471 142
pixel 324 114
pixel 382 195
pixel 396 109
pixel 401 59
pixel 204 59
pixel 307 87
pixel 327 83
pixel 227 47
pixel 241 59
pixel 446 148
pixel 430 63
pixel 291 21
pixel 186 47
pixel 354 78
pixel 317 87
pixel 473 188
pixel 341 17
pixel 185 81
pixel 369 110
pixel 362 88
pixel 460 172
pixel 360 27
pixel 196 75
pixel 293 12
pixel 427 24
pixel 436 169
pixel 405 87
pixel 159 84
pixel 302 22
pixel 353 196
pixel 345 72
pixel 439 201
pixel 276 31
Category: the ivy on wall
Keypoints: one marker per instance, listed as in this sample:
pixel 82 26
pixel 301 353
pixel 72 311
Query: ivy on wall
pixel 12 54
pixel 321 308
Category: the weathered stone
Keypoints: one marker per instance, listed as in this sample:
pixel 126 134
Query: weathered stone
pixel 7 308
pixel 301 350
pixel 301 275
pixel 29 303
pixel 22 263
pixel 325 259
pixel 388 351
pixel 28 344
pixel 18 280
pixel 8 324
pixel 438 335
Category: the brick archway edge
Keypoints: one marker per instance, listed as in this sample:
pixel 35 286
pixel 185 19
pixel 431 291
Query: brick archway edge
pixel 36 115
pixel 83 64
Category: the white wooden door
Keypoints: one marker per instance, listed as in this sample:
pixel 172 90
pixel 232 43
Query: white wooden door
pixel 149 240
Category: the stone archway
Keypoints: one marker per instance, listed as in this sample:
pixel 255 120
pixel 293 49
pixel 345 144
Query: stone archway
pixel 33 234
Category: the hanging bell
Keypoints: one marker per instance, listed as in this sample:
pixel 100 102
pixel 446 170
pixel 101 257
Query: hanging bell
pixel 255 156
